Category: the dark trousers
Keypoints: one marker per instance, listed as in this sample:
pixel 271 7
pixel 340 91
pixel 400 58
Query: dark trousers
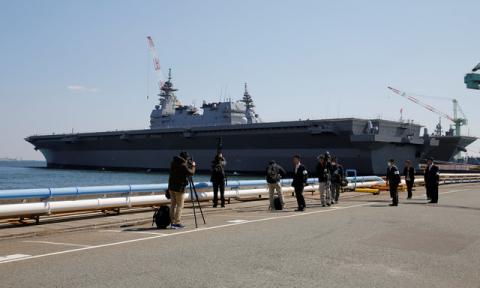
pixel 299 196
pixel 427 190
pixel 336 191
pixel 218 186
pixel 394 193
pixel 432 191
pixel 409 188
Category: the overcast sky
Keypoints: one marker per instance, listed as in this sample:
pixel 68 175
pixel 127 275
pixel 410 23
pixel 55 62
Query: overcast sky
pixel 85 65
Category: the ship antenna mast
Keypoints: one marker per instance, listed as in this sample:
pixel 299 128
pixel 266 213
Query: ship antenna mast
pixel 247 99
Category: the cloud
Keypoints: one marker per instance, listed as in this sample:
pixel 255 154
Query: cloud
pixel 81 88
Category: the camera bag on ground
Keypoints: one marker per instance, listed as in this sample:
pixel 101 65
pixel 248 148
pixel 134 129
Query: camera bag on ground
pixel 161 217
pixel 277 204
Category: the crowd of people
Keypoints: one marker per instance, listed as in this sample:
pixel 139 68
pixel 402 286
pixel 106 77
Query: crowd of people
pixel 431 178
pixel 329 171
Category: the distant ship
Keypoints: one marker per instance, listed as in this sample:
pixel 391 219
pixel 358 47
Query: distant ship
pixel 449 145
pixel 248 143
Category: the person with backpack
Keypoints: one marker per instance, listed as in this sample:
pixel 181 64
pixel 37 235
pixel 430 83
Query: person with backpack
pixel 181 168
pixel 274 174
pixel 300 177
pixel 218 179
pixel 337 178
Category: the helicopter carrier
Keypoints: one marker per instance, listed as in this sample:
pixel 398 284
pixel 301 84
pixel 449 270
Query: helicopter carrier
pixel 248 142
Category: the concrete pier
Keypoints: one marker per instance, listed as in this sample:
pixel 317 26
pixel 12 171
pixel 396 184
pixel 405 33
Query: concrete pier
pixel 360 242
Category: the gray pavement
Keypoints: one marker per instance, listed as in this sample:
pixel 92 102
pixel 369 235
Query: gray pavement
pixel 361 242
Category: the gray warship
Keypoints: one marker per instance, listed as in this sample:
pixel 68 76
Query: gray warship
pixel 248 142
pixel 450 144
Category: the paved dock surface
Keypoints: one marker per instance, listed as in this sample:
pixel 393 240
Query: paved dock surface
pixel 361 242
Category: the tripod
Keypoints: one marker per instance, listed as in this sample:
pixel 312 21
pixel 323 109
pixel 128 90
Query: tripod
pixel 192 192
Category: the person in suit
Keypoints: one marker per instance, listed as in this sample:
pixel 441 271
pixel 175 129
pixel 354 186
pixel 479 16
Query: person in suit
pixel 432 178
pixel 409 174
pixel 393 179
pixel 300 177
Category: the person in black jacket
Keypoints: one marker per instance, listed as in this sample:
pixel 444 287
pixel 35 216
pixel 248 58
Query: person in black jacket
pixel 218 179
pixel 300 177
pixel 181 168
pixel 409 174
pixel 337 178
pixel 393 179
pixel 323 175
pixel 432 178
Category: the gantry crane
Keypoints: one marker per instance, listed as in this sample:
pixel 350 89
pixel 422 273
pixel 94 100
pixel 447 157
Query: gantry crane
pixel 458 122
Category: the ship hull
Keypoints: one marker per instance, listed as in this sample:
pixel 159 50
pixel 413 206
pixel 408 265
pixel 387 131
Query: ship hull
pixel 248 148
pixel 449 146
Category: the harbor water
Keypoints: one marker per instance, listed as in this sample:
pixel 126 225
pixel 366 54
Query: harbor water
pixel 34 174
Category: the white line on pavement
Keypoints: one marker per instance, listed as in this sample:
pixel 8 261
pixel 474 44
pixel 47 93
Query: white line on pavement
pixel 237 221
pixel 27 257
pixel 12 257
pixel 56 243
pixel 145 232
pixel 180 233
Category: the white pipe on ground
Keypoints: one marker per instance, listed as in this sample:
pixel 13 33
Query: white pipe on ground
pixel 50 207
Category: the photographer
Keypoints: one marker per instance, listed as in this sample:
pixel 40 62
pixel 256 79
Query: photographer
pixel 275 173
pixel 323 175
pixel 218 179
pixel 181 168
pixel 328 161
pixel 337 177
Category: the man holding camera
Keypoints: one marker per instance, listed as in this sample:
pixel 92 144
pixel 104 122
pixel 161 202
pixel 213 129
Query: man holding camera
pixel 181 168
pixel 218 179
pixel 322 175
pixel 337 178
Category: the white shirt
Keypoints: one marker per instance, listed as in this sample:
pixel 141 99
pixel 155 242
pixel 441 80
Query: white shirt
pixel 296 167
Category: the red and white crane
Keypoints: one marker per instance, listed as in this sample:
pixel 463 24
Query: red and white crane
pixel 156 63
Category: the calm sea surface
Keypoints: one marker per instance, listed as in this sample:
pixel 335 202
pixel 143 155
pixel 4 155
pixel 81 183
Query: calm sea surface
pixel 34 174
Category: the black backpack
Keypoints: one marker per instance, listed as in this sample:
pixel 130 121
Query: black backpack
pixel 161 217
pixel 277 204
